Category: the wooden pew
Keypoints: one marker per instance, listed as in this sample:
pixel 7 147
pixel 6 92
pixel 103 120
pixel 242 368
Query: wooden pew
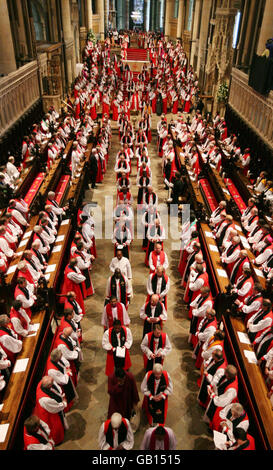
pixel 250 375
pixel 20 383
pixel 77 185
pixel 196 196
pixel 25 243
pixel 59 253
pixel 27 175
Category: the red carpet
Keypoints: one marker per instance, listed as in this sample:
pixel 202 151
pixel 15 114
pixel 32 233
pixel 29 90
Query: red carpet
pixel 136 54
pixel 63 183
pixel 34 188
pixel 208 193
pixel 235 195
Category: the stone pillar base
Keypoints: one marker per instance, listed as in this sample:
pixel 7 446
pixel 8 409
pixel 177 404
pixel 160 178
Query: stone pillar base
pixel 51 100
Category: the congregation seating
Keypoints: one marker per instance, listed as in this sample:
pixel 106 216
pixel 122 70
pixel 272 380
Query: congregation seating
pixel 206 191
pixel 253 392
pixel 21 388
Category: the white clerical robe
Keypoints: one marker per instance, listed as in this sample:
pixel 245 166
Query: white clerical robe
pixel 127 444
pixel 159 445
pixel 123 264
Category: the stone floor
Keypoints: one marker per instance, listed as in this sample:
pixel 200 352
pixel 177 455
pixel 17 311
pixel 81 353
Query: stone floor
pixel 184 414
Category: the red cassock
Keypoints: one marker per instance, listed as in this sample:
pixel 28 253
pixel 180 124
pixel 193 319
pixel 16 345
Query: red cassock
pixel 145 404
pixel 162 339
pixel 187 106
pixel 77 109
pixel 216 420
pixel 11 356
pixel 154 258
pixel 164 103
pixel 66 324
pixel 175 107
pixel 184 257
pixel 93 112
pixel 114 111
pixel 199 359
pixel 154 104
pixel 51 365
pixel 194 339
pixel 241 283
pixel 31 440
pixel 110 315
pixel 69 285
pixel 60 340
pixel 26 275
pixel 53 420
pixel 105 108
pixel 87 285
pixel 15 314
pixel 110 364
pixel 19 291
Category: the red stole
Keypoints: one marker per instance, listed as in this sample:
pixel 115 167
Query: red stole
pixel 110 315
pixel 154 258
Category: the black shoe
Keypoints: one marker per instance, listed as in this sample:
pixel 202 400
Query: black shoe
pixel 94 187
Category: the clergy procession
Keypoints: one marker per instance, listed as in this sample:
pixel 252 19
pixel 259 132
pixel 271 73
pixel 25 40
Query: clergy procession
pixel 151 135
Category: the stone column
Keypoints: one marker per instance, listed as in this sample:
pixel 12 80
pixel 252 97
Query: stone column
pixel 67 36
pixel 167 17
pixel 266 28
pixel 180 19
pixel 127 14
pixel 7 56
pixel 249 33
pixel 100 4
pixel 66 16
pixel 195 29
pixel 89 14
pixel 203 34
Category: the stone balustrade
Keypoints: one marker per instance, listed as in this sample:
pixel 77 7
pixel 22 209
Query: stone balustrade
pixel 255 109
pixel 18 92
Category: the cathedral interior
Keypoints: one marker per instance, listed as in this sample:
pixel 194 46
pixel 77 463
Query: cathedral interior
pixel 228 46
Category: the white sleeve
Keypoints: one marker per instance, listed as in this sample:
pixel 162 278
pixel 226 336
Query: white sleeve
pixel 263 256
pixel 129 340
pixel 11 344
pixel 69 355
pixel 17 326
pixel 60 378
pixel 166 290
pixel 26 303
pixel 76 277
pixel 149 286
pixel 194 286
pixel 47 446
pixel 167 349
pixel 19 217
pixel 102 439
pixel 125 315
pixel 128 270
pixel 244 289
pixel 105 341
pixel 261 325
pixel 164 315
pixel 129 441
pixel 51 405
pixel 226 398
pixel 201 311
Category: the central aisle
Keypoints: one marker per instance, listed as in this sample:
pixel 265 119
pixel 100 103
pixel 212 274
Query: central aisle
pixel 184 415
